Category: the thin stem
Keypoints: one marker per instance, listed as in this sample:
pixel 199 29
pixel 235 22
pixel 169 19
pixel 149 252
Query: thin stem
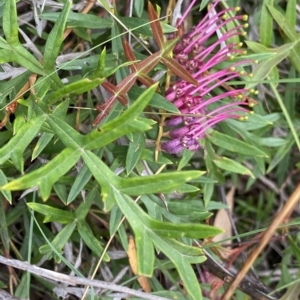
pixel 286 114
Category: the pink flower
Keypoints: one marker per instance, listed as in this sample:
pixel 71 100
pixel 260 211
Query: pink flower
pixel 213 100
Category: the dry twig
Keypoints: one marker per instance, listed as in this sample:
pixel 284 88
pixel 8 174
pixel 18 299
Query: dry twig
pixel 73 280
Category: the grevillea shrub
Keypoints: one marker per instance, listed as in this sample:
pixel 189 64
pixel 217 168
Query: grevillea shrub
pixel 203 57
pixel 123 124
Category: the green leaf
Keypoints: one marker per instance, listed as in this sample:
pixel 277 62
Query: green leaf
pixel 52 213
pixel 266 66
pixel 43 141
pixel 55 39
pixel 161 183
pixel 284 24
pixel 209 157
pixel 10 22
pixel 191 230
pixel 79 20
pixel 68 135
pixel 266 24
pixel 135 150
pixel 293 290
pixel 142 26
pixel 187 188
pixel 289 121
pixel 261 49
pixel 100 68
pixel 84 208
pixel 114 220
pixel 138 7
pixel 61 191
pixel 193 255
pixel 272 142
pixel 290 32
pixel 137 25
pixel 82 178
pixel 89 239
pixel 132 211
pixel 20 55
pixel 290 97
pixel 58 242
pixel 5 239
pixel 234 145
pixel 157 100
pixel 188 211
pixel 76 88
pixel 18 122
pixel 144 251
pixel 254 121
pixel 291 13
pixel 140 223
pixel 148 156
pixel 208 190
pixel 203 4
pixel 103 175
pixel 281 152
pixel 232 166
pixel 166 182
pixel 15 148
pixel 22 290
pixel 47 175
pixel 125 123
pixel 186 156
pixel 60 112
pixel 182 263
pixel 144 246
pixel 3 181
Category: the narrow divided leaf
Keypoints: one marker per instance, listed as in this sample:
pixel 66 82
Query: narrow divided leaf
pixel 55 39
pixel 76 88
pixel 47 175
pixel 232 166
pixel 79 20
pixel 22 57
pixel 103 175
pixel 266 66
pixel 234 145
pixel 124 124
pixel 52 213
pixel 161 183
pixel 15 148
pixel 155 26
pixel 143 226
pixel 290 32
pixel 182 264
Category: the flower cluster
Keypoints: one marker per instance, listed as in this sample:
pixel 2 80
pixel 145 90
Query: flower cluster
pixel 203 61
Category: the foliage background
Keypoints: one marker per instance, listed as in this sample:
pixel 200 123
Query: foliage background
pixel 92 178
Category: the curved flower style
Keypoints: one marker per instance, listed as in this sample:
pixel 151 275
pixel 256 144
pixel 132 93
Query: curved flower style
pixel 203 61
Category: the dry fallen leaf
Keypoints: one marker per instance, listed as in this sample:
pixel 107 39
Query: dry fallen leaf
pixel 143 281
pixel 222 219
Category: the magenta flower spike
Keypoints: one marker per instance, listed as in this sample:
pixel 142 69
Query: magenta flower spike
pixel 213 100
